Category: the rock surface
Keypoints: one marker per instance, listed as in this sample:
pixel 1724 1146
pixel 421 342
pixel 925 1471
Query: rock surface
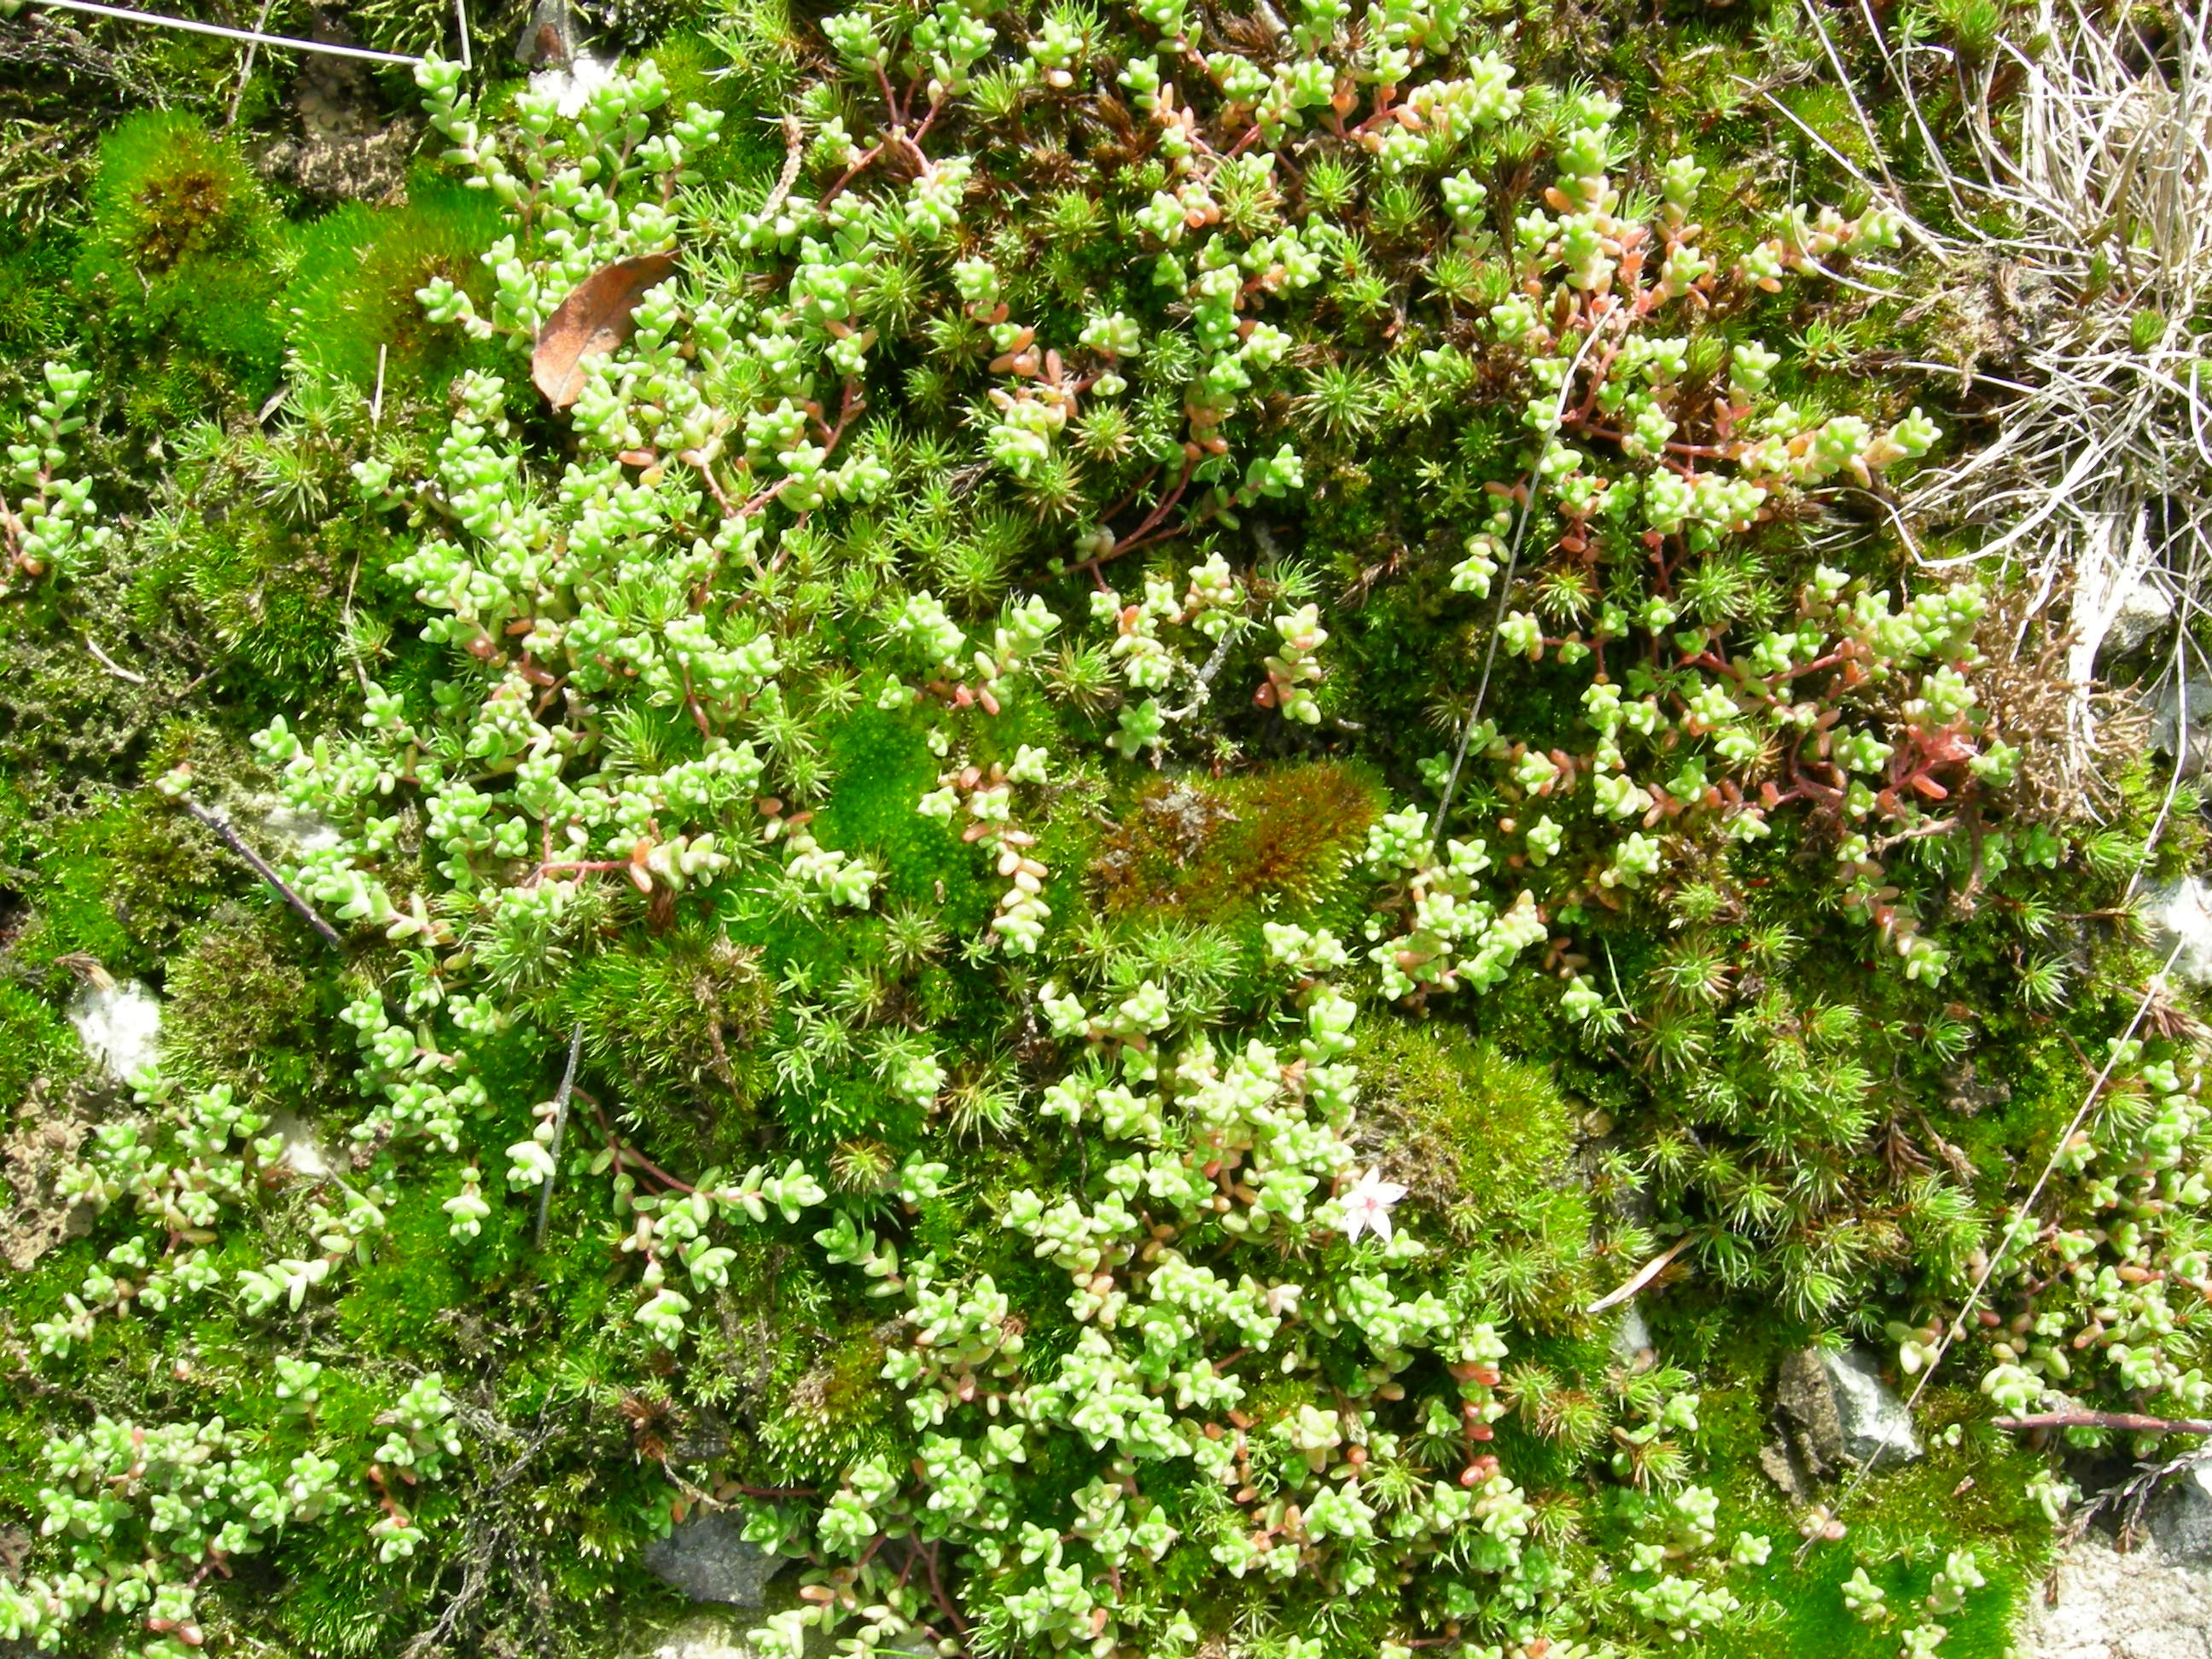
pixel 1632 1337
pixel 2181 1519
pixel 1838 1410
pixel 707 1634
pixel 2181 725
pixel 294 833
pixel 344 149
pixel 303 1154
pixel 34 1215
pixel 1877 1429
pixel 708 1558
pixel 2143 610
pixel 701 1636
pixel 2142 1605
pixel 2180 917
pixel 573 84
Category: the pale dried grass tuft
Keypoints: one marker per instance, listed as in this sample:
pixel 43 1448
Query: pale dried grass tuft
pixel 2091 147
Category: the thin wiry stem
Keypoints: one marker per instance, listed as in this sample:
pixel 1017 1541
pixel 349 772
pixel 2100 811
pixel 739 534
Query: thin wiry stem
pixel 560 1125
pixel 1506 588
pixel 252 37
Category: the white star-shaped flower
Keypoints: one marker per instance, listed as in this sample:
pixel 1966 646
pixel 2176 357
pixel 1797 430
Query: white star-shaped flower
pixel 1367 1206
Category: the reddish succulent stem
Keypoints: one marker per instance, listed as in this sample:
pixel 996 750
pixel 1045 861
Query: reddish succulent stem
pixel 2133 1422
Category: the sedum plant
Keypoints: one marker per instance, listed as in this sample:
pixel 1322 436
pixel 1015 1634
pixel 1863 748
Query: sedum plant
pixel 48 525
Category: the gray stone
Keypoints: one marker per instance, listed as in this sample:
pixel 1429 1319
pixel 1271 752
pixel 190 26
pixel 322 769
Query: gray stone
pixel 303 1154
pixel 711 1634
pixel 572 84
pixel 292 834
pixel 1840 1412
pixel 1632 1337
pixel 2105 1605
pixel 2143 610
pixel 1877 1429
pixel 708 1558
pixel 1807 1407
pixel 720 1632
pixel 2181 724
pixel 1776 1464
pixel 35 1213
pixel 2181 1516
pixel 2180 917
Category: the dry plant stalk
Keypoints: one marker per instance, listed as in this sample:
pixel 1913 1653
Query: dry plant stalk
pixel 2100 471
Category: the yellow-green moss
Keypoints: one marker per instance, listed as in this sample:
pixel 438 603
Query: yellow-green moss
pixel 1487 1142
pixel 184 242
pixel 353 290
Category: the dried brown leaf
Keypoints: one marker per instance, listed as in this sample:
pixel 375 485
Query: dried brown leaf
pixel 591 322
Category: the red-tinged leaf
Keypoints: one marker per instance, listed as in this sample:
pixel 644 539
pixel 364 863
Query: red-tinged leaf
pixel 592 322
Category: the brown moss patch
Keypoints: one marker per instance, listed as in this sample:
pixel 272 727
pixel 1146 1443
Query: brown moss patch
pixel 1210 847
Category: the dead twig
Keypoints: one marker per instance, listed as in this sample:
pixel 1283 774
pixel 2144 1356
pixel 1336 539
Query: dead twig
pixel 110 664
pixel 246 67
pixel 1649 1271
pixel 221 825
pixel 2133 1495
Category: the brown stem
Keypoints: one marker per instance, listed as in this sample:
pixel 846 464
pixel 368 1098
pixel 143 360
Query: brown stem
pixel 936 104
pixel 1713 451
pixel 937 1590
pixel 2134 1422
pixel 575 866
pixel 1148 531
pixel 849 175
pixel 624 1153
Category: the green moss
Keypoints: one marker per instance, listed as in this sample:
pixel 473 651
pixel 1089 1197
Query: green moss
pixel 350 308
pixel 403 1300
pixel 1218 849
pixel 1520 1134
pixel 675 1016
pixel 35 308
pixel 184 244
pixel 833 1410
pixel 35 1041
pixel 1487 1142
pixel 73 905
pixel 1970 1493
pixel 244 1007
pixel 885 768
